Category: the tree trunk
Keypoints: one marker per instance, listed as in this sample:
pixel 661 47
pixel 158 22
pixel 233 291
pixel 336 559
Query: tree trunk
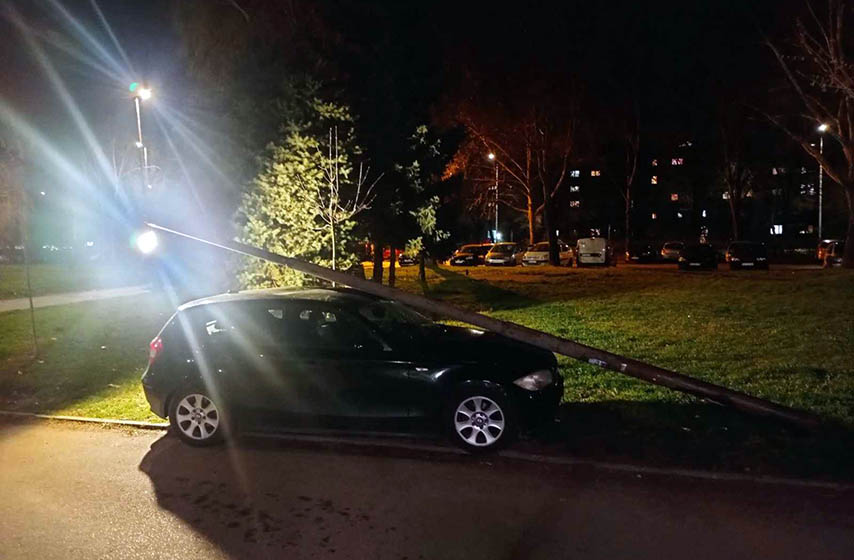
pixel 422 272
pixel 733 213
pixel 848 255
pixel 548 224
pixel 332 229
pixel 530 202
pixel 378 261
pixel 628 232
pixel 392 262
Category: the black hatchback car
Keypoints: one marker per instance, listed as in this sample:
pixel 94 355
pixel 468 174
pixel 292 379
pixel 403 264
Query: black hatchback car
pixel 342 359
pixel 695 257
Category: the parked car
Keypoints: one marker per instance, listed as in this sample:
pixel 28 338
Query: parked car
pixel 833 254
pixel 671 250
pixel 640 251
pixel 504 254
pixel 821 250
pixel 539 254
pixel 405 259
pixel 746 254
pixel 694 257
pixel 340 358
pixel 593 250
pixel 471 254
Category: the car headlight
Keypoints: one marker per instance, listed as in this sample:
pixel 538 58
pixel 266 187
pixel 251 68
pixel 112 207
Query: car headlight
pixel 535 381
pixel 735 259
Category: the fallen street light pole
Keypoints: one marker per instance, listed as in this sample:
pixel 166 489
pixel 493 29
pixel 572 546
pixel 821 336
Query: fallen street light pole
pixel 566 347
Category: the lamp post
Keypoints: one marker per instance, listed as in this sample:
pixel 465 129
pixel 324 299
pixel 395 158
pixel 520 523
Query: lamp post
pixel 821 129
pixel 491 157
pixel 140 95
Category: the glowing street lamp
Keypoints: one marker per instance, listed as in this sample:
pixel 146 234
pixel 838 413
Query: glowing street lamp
pixel 822 128
pixel 146 242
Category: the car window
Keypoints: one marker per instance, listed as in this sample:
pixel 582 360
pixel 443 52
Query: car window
pixel 251 325
pixel 318 329
pixel 541 247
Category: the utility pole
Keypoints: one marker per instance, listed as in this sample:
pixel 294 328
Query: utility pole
pixel 140 95
pixel 491 157
pixel 821 128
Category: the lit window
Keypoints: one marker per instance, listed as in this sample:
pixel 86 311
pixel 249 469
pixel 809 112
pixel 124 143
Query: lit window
pixel 655 163
pixel 574 188
pixel 654 180
pixel 574 203
pixel 677 161
pixel 575 173
pixel 654 216
pixel 748 194
pixel 595 173
pixel 674 197
pixel 725 195
pixel 777 229
pixel 678 214
pixel 704 213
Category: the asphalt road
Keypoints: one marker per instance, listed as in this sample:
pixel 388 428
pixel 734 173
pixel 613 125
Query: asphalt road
pixel 71 491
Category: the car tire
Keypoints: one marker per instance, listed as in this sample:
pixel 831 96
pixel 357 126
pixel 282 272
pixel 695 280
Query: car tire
pixel 196 418
pixel 479 418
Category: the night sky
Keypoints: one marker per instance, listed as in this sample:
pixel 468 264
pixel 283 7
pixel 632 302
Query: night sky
pixel 397 64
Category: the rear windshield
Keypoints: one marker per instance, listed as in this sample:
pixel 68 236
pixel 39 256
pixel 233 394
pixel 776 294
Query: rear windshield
pixel 674 245
pixel 747 249
pixel 468 249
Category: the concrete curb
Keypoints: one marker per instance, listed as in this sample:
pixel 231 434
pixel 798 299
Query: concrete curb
pixel 393 441
pixel 110 421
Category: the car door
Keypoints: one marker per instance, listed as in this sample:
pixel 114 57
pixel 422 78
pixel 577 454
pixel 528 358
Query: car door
pixel 341 367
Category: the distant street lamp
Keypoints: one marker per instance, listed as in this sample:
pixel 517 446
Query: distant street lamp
pixel 822 128
pixel 491 157
pixel 140 95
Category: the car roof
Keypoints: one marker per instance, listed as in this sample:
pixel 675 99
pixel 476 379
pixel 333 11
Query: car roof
pixel 346 296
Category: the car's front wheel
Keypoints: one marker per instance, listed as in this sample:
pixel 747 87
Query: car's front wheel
pixel 479 418
pixel 196 417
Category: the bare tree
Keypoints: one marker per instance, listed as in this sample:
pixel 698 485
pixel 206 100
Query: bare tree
pixel 820 70
pixel 632 144
pixel 532 154
pixel 334 205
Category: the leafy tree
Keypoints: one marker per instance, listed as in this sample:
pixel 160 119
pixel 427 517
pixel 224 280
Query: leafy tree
pixel 280 209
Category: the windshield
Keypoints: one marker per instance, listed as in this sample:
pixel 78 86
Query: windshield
pixel 503 249
pixel 468 249
pixel 389 316
pixel 673 245
pixel 543 246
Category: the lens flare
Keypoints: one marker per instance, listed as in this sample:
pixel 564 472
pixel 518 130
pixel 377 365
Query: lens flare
pixel 146 242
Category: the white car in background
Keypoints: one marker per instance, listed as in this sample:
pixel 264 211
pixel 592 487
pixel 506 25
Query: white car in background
pixel 539 254
pixel 593 250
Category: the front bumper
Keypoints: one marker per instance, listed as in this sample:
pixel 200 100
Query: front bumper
pixel 499 262
pixel 538 407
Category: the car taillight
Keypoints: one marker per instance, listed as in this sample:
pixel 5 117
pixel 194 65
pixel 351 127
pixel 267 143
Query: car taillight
pixel 154 348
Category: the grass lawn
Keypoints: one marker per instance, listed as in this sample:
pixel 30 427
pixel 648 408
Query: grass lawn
pixel 787 335
pixel 92 356
pixel 58 278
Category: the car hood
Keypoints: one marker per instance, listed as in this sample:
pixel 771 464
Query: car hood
pixel 442 343
pixel 536 254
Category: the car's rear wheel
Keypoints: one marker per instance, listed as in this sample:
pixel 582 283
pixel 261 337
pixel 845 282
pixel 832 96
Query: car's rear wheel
pixel 197 418
pixel 480 419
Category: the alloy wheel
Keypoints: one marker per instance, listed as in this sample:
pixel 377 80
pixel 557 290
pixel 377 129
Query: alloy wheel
pixel 479 421
pixel 197 417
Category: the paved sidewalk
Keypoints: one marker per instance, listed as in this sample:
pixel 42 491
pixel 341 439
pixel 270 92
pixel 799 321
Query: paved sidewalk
pixel 71 297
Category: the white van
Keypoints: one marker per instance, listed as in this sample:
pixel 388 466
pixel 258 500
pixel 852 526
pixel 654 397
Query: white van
pixel 592 250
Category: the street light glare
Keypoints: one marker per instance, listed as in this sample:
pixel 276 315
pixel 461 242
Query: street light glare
pixel 144 93
pixel 146 242
pixel 822 127
pixel 491 156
